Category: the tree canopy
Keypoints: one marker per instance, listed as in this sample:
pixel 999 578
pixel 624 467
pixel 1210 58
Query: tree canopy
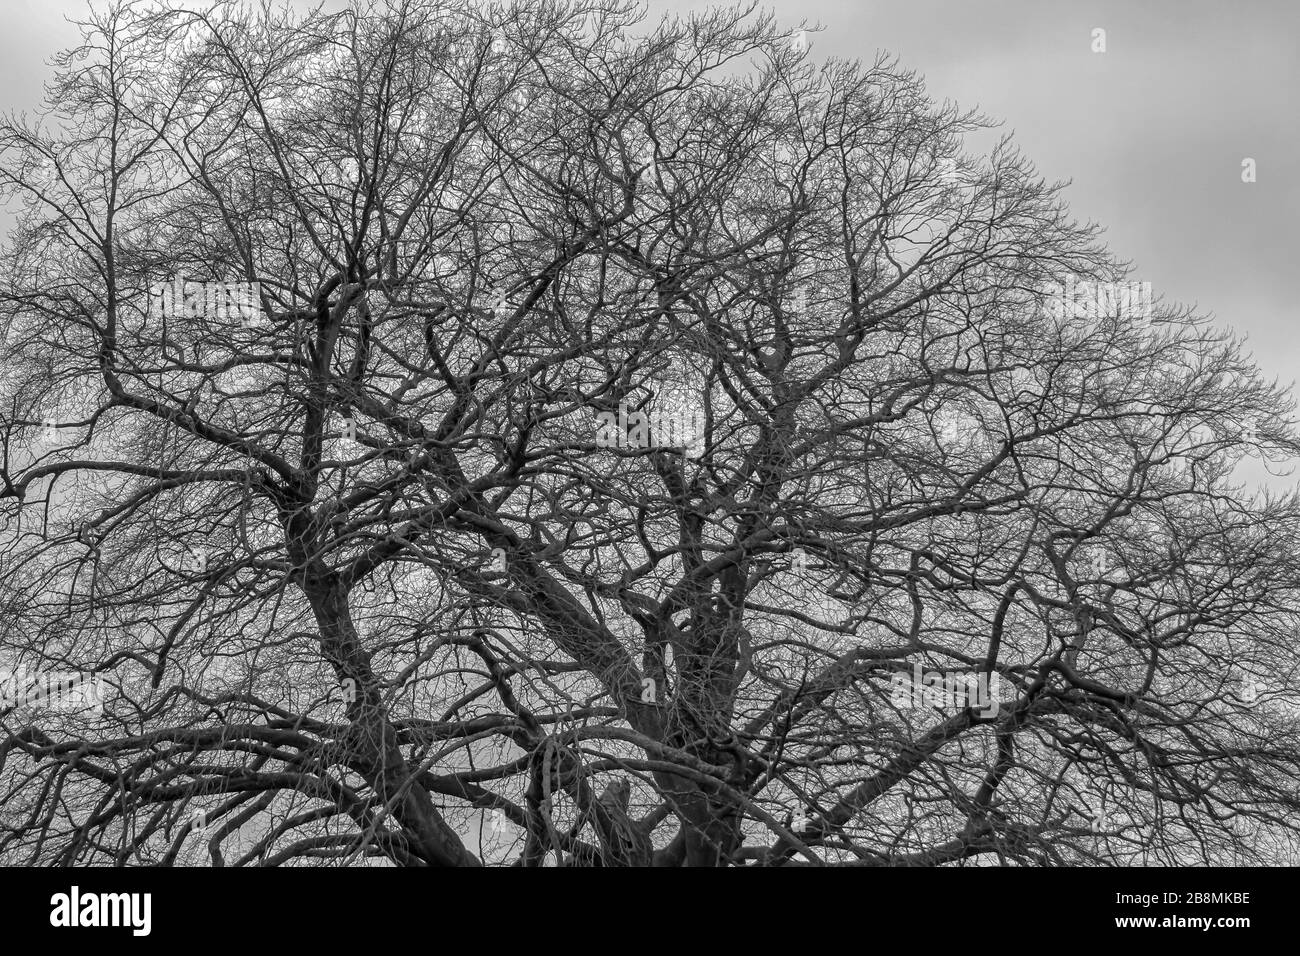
pixel 465 435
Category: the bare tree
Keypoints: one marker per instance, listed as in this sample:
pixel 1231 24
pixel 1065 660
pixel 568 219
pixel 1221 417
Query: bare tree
pixel 533 434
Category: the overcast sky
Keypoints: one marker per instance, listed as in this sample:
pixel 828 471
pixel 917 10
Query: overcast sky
pixel 1152 132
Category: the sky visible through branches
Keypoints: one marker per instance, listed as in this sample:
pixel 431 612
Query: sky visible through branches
pixel 438 434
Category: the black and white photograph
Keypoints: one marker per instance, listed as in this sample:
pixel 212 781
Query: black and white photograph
pixel 596 433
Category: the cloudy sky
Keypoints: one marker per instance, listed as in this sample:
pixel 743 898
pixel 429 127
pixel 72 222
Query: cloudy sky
pixel 1151 132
